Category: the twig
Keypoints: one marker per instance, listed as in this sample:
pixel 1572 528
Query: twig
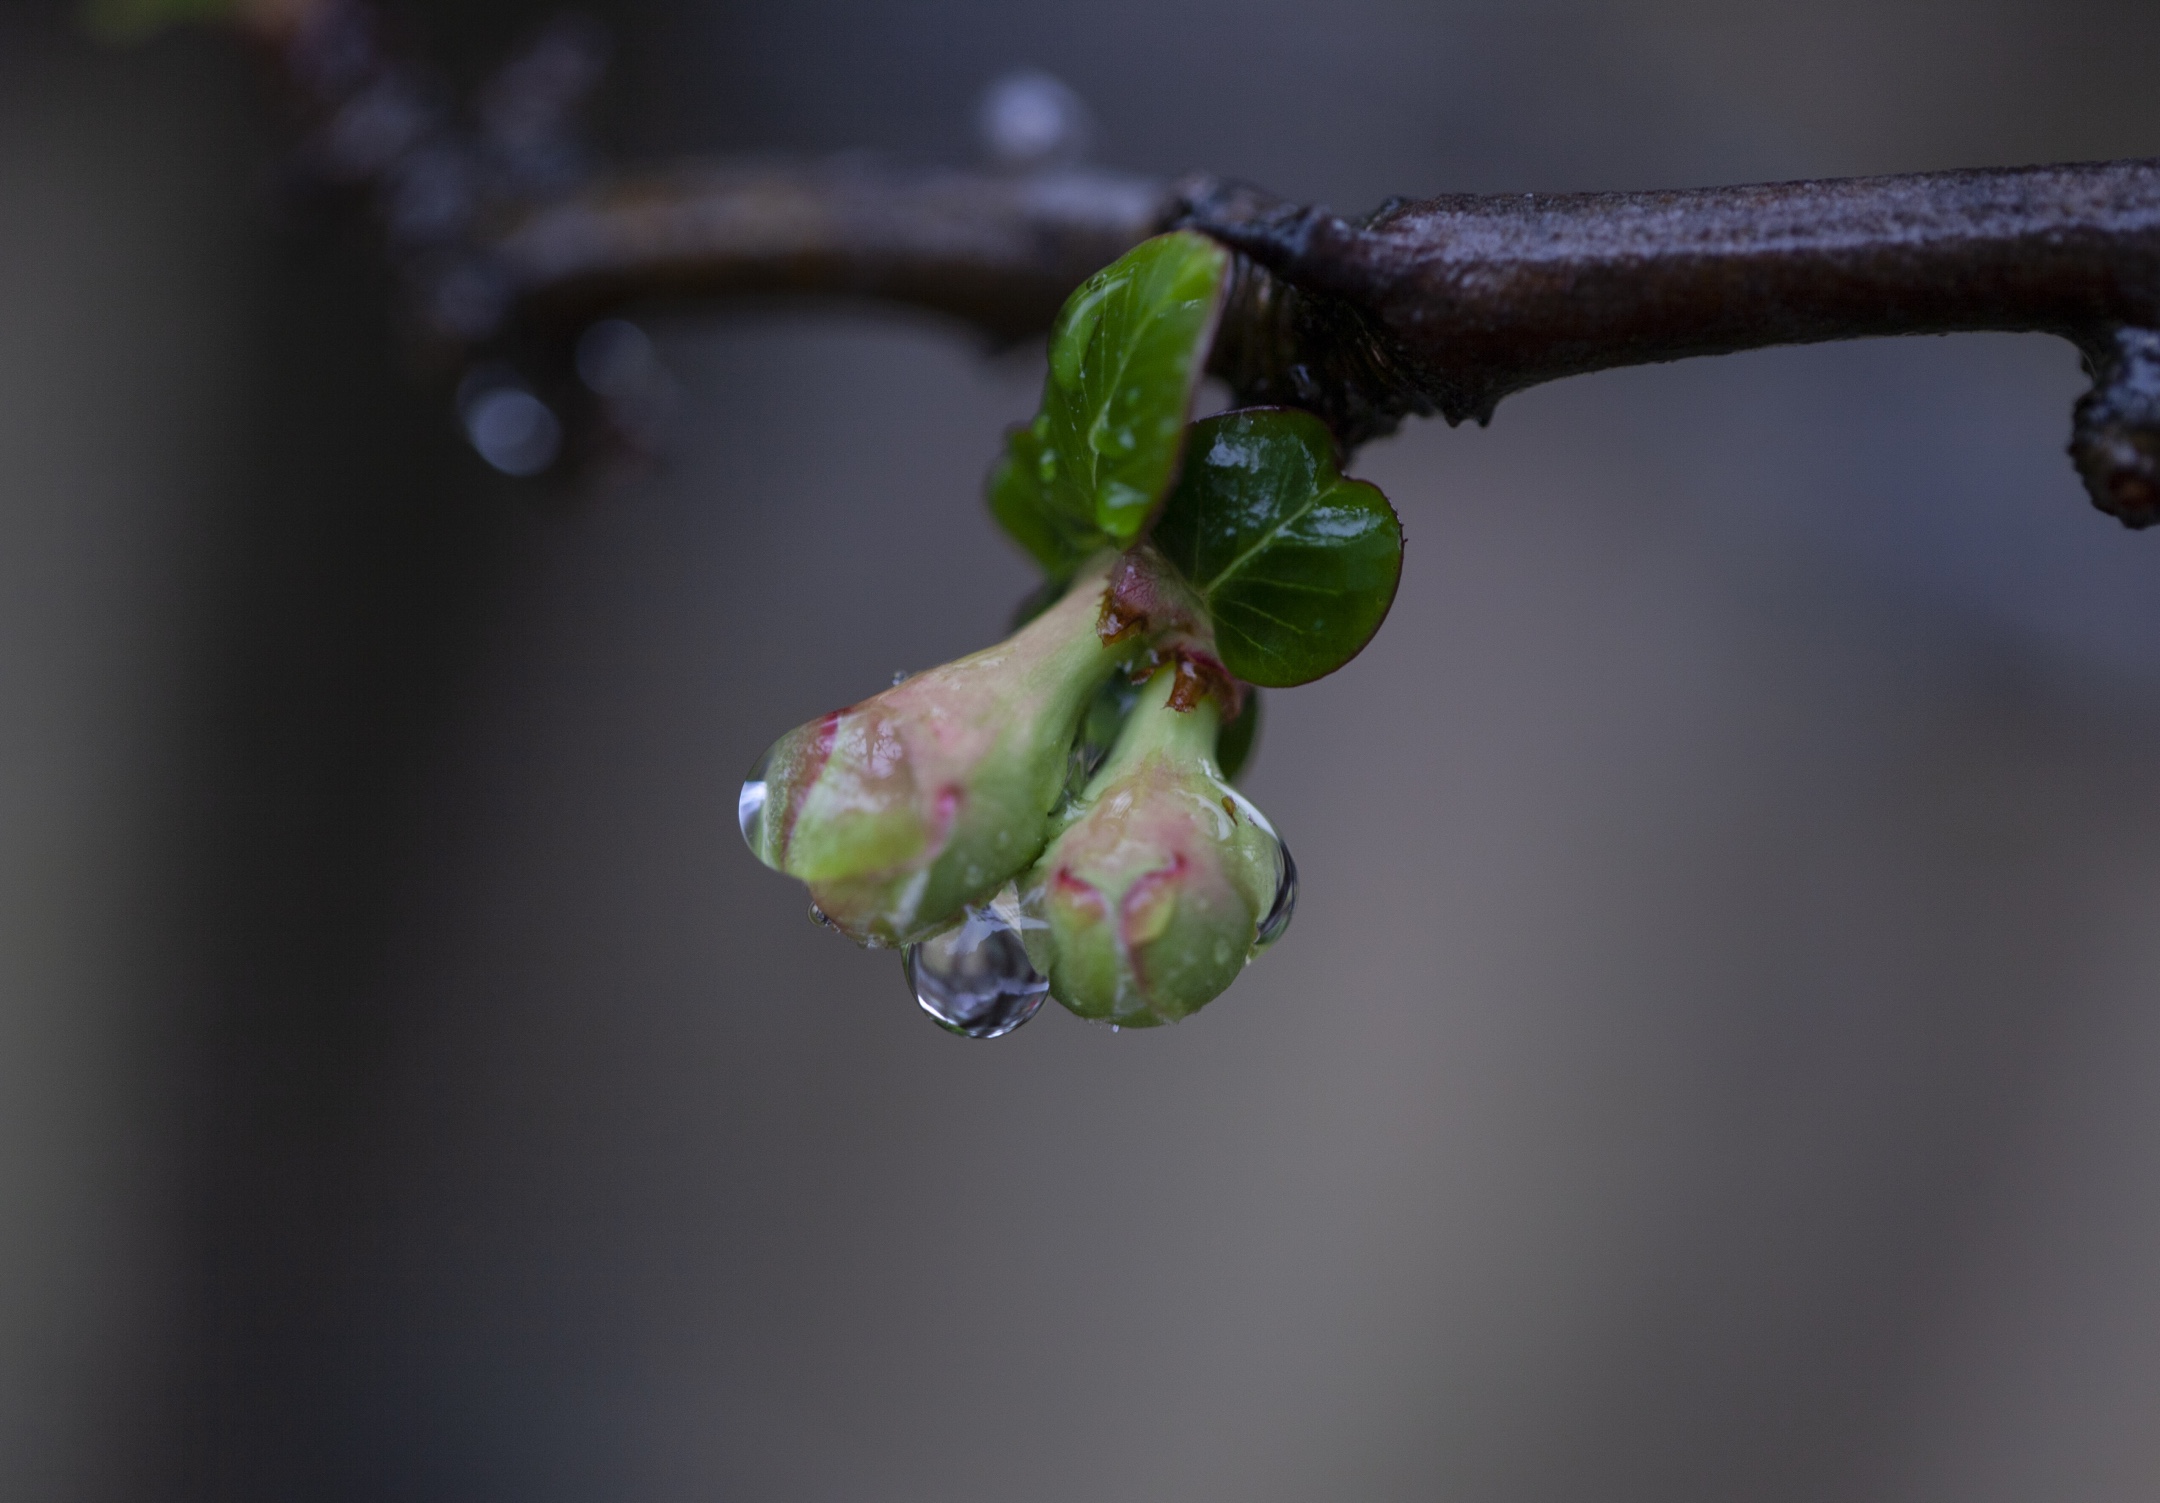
pixel 1450 304
pixel 510 246
pixel 999 250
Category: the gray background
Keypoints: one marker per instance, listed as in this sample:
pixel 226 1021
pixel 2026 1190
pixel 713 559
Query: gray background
pixel 1716 1055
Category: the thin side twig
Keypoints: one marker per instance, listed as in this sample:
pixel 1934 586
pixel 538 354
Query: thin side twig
pixel 998 250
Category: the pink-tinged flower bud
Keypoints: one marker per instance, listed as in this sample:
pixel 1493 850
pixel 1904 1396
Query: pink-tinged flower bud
pixel 1152 896
pixel 903 809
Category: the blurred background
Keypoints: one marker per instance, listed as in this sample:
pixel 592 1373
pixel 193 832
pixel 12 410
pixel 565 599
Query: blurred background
pixel 1716 1055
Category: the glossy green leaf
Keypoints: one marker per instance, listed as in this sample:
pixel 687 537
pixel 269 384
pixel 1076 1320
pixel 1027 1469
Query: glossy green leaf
pixel 1126 353
pixel 1055 535
pixel 1234 746
pixel 1296 564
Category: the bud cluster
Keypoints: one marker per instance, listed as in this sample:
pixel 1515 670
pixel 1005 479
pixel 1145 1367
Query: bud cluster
pixel 1139 895
pixel 1154 887
pixel 901 810
pixel 1054 816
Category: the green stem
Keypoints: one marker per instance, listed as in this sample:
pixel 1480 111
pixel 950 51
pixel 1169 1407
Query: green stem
pixel 1157 725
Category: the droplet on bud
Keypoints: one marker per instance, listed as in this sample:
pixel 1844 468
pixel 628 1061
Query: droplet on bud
pixel 975 978
pixel 1285 905
pixel 750 808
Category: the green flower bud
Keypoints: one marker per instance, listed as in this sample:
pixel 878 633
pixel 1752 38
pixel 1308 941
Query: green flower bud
pixel 903 809
pixel 1151 897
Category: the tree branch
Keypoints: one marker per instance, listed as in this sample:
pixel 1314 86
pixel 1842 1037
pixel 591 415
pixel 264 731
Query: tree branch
pixel 998 250
pixel 1442 306
pixel 511 244
pixel 1450 304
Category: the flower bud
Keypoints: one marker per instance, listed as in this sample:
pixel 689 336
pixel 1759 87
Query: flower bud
pixel 901 810
pixel 1151 896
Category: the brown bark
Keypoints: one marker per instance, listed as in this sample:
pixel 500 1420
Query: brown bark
pixel 1443 306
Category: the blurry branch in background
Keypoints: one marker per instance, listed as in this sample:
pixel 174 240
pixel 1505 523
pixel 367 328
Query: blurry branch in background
pixel 519 254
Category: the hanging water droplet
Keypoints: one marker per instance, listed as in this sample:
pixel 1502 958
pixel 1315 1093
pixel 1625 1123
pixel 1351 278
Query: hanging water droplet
pixel 975 979
pixel 1278 918
pixel 750 809
pixel 819 918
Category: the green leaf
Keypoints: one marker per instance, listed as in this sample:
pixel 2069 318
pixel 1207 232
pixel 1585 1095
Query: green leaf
pixel 1297 566
pixel 1234 745
pixel 1053 535
pixel 1126 353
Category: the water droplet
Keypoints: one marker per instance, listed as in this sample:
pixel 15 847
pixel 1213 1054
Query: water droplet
pixel 975 979
pixel 1278 918
pixel 750 812
pixel 750 808
pixel 513 430
pixel 1030 119
pixel 819 918
pixel 900 676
